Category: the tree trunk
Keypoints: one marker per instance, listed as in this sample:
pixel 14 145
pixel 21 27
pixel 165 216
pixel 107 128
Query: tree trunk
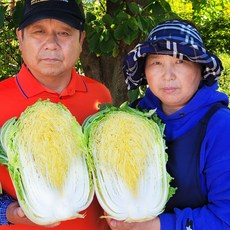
pixel 107 70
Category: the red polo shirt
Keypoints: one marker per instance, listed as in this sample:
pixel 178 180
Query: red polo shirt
pixel 82 97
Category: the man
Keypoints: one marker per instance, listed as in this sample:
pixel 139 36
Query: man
pixel 50 35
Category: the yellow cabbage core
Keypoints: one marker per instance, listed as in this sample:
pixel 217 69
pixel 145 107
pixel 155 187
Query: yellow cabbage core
pixel 46 145
pixel 124 149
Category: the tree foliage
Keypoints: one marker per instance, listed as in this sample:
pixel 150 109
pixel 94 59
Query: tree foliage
pixel 115 23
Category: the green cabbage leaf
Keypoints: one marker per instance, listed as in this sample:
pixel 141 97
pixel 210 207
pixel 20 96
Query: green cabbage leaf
pixel 128 162
pixel 44 150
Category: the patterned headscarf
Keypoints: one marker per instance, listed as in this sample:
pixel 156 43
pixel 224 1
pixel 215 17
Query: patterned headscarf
pixel 178 39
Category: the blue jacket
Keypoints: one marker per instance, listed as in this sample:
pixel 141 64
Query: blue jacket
pixel 214 159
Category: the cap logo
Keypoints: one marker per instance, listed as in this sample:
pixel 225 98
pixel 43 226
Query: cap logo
pixel 37 1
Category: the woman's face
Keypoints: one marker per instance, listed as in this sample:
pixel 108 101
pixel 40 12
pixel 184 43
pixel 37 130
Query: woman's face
pixel 172 80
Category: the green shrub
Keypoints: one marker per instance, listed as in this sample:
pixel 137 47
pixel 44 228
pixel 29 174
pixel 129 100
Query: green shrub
pixel 224 81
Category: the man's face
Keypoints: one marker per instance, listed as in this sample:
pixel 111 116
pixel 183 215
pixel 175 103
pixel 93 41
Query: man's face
pixel 50 48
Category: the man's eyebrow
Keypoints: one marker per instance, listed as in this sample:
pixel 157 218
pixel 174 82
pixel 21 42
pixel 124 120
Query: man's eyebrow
pixel 67 28
pixel 36 25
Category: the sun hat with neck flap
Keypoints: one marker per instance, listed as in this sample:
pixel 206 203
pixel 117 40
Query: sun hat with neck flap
pixel 66 11
pixel 177 38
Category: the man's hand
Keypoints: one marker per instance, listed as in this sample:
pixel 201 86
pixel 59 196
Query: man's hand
pixel 15 215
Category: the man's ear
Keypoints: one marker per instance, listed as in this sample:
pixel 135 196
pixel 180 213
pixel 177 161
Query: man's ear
pixel 82 38
pixel 19 36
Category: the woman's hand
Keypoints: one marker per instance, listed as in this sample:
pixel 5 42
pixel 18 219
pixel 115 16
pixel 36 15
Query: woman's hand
pixel 147 225
pixel 15 215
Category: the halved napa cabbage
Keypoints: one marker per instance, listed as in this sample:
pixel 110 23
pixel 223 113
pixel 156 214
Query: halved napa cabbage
pixel 128 163
pixel 44 150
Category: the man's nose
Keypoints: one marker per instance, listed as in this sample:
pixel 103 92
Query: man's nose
pixel 51 42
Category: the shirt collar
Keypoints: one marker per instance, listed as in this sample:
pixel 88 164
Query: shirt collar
pixel 30 86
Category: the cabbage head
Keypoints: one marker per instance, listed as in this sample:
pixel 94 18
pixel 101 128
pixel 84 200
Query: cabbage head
pixel 128 161
pixel 44 150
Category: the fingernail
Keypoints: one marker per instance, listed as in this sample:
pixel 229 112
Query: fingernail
pixel 20 212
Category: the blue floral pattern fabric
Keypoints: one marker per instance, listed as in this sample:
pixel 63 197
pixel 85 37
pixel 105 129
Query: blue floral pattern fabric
pixel 5 200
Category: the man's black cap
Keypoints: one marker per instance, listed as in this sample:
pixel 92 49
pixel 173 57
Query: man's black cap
pixel 66 11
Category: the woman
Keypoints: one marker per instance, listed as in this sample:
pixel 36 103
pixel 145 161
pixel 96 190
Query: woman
pixel 182 78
